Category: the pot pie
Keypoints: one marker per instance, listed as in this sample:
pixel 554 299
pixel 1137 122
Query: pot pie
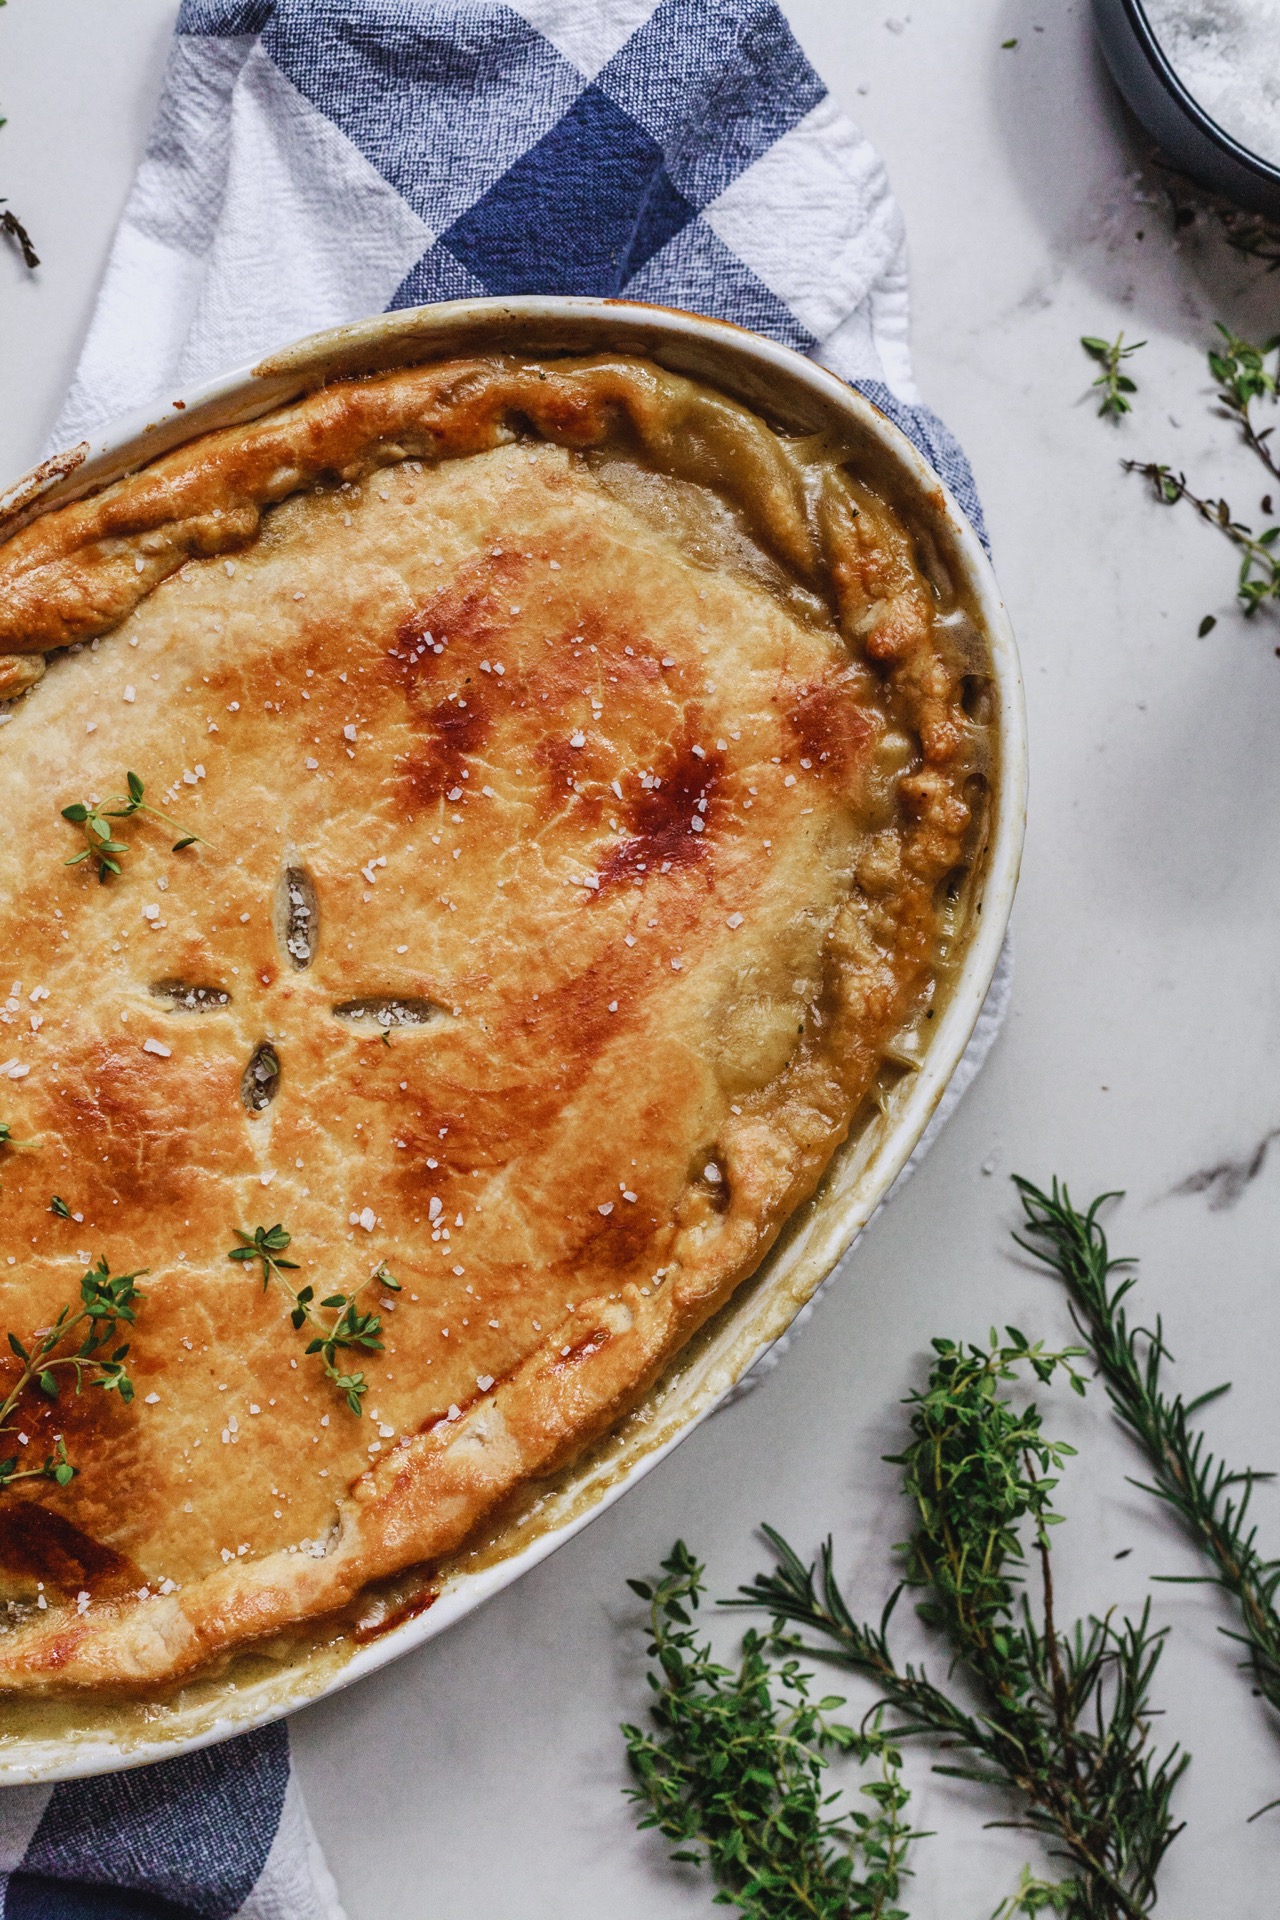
pixel 584 776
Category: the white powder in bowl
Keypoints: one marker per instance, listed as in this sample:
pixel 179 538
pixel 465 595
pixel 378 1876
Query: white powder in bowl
pixel 1227 55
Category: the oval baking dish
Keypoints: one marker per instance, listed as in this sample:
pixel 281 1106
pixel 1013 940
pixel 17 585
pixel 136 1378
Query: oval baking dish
pixel 60 1737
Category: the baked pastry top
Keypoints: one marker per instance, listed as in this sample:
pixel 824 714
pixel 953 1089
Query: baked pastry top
pixel 578 767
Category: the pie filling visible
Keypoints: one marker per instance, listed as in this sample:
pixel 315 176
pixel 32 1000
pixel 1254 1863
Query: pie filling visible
pixel 582 774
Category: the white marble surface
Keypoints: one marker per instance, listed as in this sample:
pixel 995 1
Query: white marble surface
pixel 485 1773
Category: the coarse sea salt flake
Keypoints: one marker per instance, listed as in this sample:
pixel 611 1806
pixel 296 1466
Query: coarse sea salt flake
pixel 368 1219
pixel 484 1381
pixel 157 1046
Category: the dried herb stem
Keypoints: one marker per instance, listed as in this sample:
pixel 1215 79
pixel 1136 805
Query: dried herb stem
pixel 1259 577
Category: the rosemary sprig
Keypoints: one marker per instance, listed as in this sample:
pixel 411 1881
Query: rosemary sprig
pixel 1063 1717
pixel 734 1773
pixel 1211 1499
pixel 100 844
pixel 1259 577
pixel 1243 378
pixel 1113 383
pixel 350 1328
pixel 106 1299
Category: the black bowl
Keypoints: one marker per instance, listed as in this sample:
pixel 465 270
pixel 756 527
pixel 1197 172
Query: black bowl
pixel 1175 120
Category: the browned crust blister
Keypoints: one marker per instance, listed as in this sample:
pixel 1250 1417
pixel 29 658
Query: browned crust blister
pixel 844 674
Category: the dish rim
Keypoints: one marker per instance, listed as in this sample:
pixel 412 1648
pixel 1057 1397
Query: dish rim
pixel 394 339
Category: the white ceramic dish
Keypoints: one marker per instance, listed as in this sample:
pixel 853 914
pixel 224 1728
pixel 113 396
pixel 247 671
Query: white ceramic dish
pixel 56 1742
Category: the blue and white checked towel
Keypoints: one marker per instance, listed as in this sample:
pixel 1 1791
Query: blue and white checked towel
pixel 314 161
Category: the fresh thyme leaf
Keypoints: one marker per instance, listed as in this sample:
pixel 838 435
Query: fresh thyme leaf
pixel 78 1341
pixel 100 843
pixel 349 1327
pixel 59 1206
pixel 266 1244
pixel 1207 625
pixel 1259 577
pixel 1113 383
pixel 734 1773
pixel 1063 1722
pixel 1243 377
pixel 1210 1498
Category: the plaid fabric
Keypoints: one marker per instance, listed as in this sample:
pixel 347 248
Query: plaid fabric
pixel 317 160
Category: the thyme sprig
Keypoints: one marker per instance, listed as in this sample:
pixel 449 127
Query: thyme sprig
pixel 1210 1498
pixel 1063 1715
pixel 1244 378
pixel 1259 577
pixel 7 1140
pixel 101 845
pixel 346 1328
pixel 735 1773
pixel 80 1342
pixel 1113 383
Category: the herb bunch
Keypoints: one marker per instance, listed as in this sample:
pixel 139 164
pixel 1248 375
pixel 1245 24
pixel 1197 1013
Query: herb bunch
pixel 346 1328
pixel 1062 1715
pixel 80 1343
pixel 735 1773
pixel 1211 1499
pixel 95 817
pixel 1113 383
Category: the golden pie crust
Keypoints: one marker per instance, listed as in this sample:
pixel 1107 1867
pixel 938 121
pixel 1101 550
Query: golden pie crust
pixel 624 759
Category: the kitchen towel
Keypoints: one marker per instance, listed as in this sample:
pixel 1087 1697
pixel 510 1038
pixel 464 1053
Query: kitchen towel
pixel 314 161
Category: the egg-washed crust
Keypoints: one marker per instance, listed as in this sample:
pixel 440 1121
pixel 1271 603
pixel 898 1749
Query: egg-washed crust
pixel 654 714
